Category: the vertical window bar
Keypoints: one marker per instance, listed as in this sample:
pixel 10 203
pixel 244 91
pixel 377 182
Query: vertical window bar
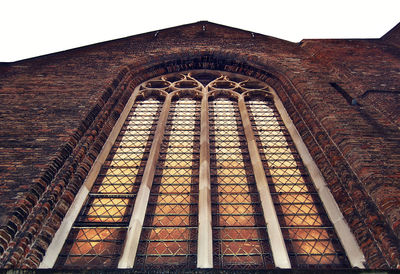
pixel 205 249
pixel 309 235
pixel 98 233
pixel 169 235
pixel 239 230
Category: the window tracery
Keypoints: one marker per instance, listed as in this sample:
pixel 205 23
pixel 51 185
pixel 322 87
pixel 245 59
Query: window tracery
pixel 201 164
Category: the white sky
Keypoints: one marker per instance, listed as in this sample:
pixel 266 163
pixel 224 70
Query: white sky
pixel 33 28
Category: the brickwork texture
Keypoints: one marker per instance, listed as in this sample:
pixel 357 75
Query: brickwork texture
pixel 343 95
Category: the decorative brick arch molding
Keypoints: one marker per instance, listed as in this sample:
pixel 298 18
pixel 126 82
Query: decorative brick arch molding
pixel 30 230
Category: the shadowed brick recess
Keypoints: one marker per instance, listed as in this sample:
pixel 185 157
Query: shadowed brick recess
pixel 57 110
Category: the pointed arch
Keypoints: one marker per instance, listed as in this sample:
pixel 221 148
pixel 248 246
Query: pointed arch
pixel 163 224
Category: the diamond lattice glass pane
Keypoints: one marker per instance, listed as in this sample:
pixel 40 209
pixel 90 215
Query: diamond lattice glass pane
pixel 92 248
pixel 106 210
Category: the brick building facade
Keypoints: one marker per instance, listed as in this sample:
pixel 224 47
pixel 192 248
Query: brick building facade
pixel 343 96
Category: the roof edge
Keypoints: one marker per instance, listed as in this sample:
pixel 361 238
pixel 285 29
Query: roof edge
pixel 392 31
pixel 204 22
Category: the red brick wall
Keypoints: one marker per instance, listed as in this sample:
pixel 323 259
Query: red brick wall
pixel 57 110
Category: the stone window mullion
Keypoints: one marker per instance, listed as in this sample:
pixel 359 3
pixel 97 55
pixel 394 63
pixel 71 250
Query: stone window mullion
pixel 205 248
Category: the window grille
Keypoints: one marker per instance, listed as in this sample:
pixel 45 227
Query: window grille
pixel 239 230
pixel 169 233
pixel 98 233
pixel 201 164
pixel 310 238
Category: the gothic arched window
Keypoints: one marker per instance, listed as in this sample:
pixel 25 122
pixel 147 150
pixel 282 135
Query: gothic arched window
pixel 204 169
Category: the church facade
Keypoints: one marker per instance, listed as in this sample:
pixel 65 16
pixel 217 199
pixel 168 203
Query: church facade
pixel 203 146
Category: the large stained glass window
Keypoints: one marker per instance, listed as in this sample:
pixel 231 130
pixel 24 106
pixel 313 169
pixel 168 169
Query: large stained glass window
pixel 203 155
